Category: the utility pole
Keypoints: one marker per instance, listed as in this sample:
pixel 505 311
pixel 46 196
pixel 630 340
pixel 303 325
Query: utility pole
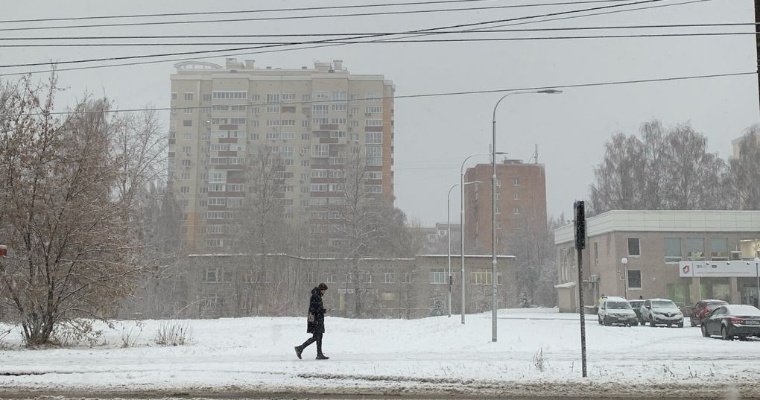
pixel 757 42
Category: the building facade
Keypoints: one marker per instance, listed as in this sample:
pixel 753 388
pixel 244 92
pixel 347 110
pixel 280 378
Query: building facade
pixel 307 123
pixel 520 204
pixel 238 285
pixel 637 254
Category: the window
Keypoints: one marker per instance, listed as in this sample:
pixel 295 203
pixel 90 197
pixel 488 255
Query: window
pixel 634 279
pixel 437 277
pixel 516 211
pixel 406 277
pixel 389 277
pixel 481 278
pixel 174 95
pixel 206 97
pixel 320 109
pixel 672 249
pixel 516 181
pixel 374 137
pixel 211 275
pixel 695 249
pixel 516 196
pixel 719 249
pixel 633 247
pixel 187 122
pixel 188 96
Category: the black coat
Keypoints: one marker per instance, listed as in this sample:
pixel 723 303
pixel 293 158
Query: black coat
pixel 318 310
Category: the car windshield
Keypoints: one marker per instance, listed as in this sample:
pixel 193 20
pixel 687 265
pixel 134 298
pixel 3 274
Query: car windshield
pixel 636 303
pixel 663 304
pixel 618 305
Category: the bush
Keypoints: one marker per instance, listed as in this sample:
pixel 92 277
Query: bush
pixel 173 333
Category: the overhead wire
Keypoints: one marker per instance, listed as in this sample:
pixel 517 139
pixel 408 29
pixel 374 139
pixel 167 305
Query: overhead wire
pixel 412 32
pixel 277 35
pixel 463 92
pixel 253 19
pixel 403 41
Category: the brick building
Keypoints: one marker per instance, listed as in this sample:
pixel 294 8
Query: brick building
pixel 520 204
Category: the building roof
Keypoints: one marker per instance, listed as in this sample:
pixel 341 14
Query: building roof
pixel 664 221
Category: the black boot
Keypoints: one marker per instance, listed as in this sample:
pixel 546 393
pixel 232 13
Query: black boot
pixel 299 350
pixel 321 356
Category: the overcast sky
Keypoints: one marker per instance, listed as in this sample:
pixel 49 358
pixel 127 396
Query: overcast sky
pixel 433 135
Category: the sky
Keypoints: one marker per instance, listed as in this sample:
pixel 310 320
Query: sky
pixel 433 135
pixel 537 354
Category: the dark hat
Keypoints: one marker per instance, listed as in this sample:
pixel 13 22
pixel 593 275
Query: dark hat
pixel 322 286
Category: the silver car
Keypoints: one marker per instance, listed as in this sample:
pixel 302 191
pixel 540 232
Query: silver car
pixel 661 312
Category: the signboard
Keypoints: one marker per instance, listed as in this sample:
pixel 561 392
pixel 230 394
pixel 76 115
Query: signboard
pixel 717 269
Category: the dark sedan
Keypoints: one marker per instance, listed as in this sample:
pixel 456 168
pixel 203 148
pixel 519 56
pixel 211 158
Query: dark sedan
pixel 732 320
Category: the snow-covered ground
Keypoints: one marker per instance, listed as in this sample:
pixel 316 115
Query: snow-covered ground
pixel 537 349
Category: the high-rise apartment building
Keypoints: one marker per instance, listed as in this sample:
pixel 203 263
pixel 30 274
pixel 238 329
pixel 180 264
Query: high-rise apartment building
pixel 310 122
pixel 520 204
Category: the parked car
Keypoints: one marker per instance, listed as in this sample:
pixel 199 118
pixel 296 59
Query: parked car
pixel 636 305
pixel 661 312
pixel 702 309
pixel 616 310
pixel 732 320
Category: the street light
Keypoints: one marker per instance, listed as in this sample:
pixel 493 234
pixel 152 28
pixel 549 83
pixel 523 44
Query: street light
pixel 448 226
pixel 493 202
pixel 624 261
pixel 757 273
pixel 461 220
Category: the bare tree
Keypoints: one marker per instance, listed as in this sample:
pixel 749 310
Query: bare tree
pixel 745 171
pixel 73 248
pixel 663 170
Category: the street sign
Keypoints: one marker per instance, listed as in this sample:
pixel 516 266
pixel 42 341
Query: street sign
pixel 717 269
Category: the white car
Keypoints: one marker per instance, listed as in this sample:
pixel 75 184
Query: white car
pixel 661 312
pixel 616 310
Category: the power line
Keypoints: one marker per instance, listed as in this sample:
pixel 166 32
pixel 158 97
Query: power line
pixel 418 31
pixel 277 35
pixel 397 41
pixel 342 7
pixel 280 18
pixel 606 13
pixel 462 93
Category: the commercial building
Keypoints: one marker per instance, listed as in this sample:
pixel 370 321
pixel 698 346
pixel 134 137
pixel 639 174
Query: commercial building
pixel 642 254
pixel 520 204
pixel 307 123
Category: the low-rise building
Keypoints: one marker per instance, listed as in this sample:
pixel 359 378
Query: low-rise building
pixel 237 285
pixel 635 254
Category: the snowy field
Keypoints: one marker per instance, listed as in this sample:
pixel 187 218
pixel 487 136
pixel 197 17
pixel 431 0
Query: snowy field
pixel 538 352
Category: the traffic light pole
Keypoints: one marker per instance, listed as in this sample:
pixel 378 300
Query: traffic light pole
pixel 580 244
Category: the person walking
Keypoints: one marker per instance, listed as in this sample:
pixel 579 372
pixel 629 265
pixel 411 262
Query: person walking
pixel 315 322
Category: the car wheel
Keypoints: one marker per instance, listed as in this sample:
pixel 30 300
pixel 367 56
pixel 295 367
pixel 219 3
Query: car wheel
pixel 704 331
pixel 634 323
pixel 724 333
pixel 669 325
pixel 598 318
pixel 680 325
pixel 605 322
pixel 651 323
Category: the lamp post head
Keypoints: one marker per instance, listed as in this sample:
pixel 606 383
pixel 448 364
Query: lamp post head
pixel 624 260
pixel 549 91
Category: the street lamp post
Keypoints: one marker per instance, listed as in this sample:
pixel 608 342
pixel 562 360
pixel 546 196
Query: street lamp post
pixel 757 273
pixel 624 261
pixel 448 227
pixel 461 221
pixel 493 203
